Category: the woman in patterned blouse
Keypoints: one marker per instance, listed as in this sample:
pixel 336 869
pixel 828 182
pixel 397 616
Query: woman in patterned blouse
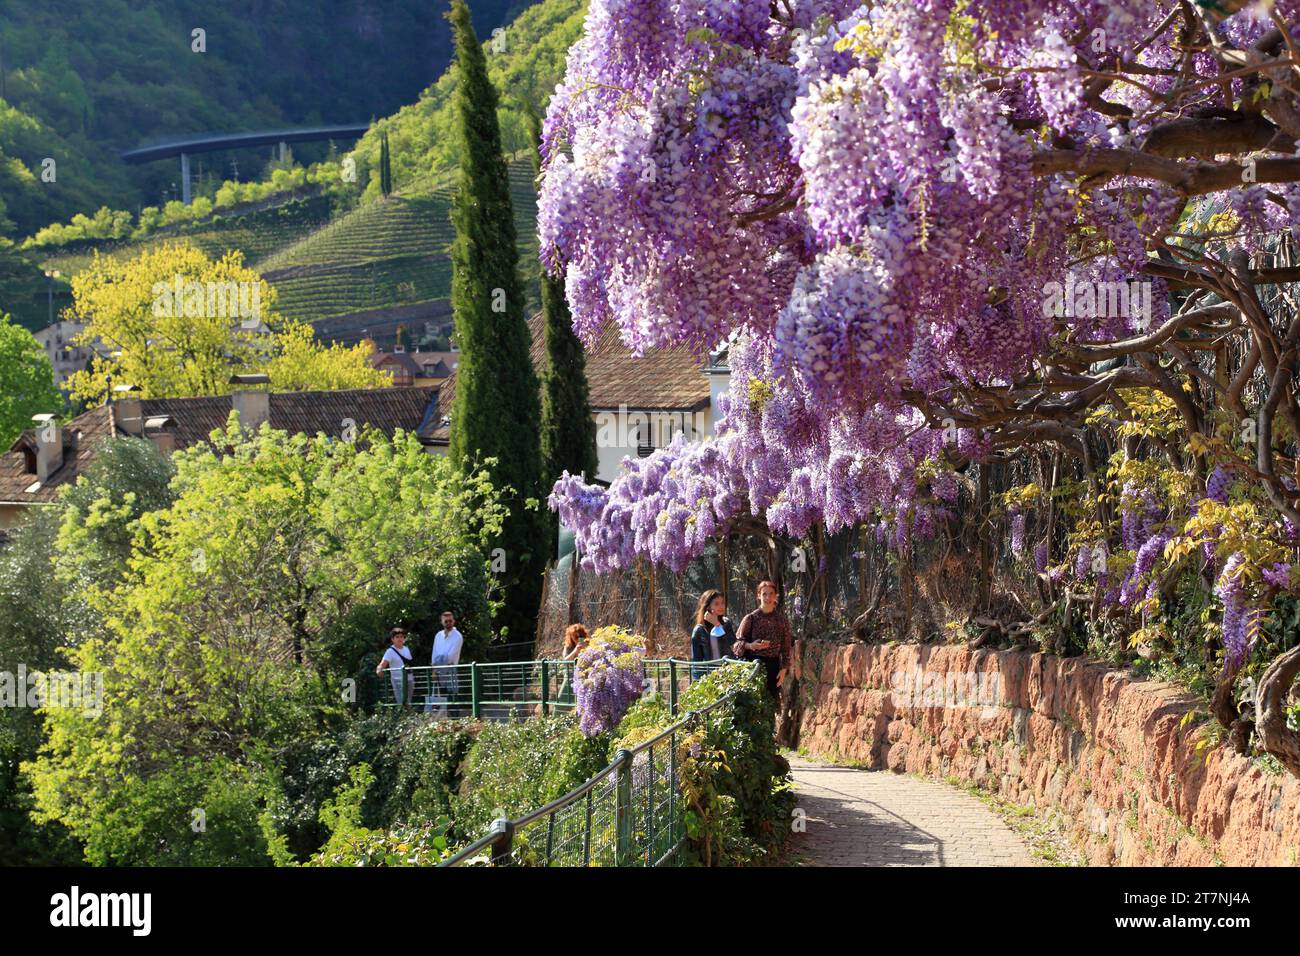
pixel 765 635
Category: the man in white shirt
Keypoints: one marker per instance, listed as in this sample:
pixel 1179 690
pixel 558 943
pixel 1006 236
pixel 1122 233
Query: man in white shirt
pixel 447 645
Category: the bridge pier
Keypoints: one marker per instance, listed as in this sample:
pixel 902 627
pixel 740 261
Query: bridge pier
pixel 215 142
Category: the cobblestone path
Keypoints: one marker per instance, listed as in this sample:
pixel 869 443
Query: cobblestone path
pixel 877 818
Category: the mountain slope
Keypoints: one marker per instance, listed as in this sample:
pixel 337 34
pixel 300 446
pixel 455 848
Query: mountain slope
pixel 384 263
pixel 81 81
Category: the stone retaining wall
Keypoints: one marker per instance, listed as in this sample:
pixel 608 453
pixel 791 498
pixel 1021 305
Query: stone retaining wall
pixel 1110 755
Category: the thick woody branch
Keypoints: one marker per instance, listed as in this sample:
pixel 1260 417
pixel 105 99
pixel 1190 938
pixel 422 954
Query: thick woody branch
pixel 1190 179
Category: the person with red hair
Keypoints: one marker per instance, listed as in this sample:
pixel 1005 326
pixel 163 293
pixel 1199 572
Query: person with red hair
pixel 575 641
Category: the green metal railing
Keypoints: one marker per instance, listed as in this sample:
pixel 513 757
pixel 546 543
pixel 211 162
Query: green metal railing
pixel 500 690
pixel 629 814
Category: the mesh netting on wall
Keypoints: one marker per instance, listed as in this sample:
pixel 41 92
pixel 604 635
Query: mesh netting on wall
pixel 857 580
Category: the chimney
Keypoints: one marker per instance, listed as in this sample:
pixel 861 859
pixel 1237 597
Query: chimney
pixel 160 430
pixel 251 399
pixel 49 446
pixel 127 410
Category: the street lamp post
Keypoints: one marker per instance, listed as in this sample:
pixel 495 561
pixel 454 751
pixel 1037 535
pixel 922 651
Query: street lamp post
pixel 50 276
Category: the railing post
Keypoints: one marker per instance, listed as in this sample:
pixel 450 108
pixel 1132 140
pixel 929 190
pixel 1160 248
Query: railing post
pixel 546 703
pixel 586 834
pixel 503 831
pixel 650 808
pixel 672 789
pixel 672 686
pixel 474 690
pixel 623 809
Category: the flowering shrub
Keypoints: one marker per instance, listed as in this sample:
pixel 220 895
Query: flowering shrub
pixel 713 822
pixel 608 679
pixel 732 769
pixel 353 844
pixel 506 772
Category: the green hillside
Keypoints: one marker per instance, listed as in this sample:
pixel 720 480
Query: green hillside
pixel 525 67
pixel 388 253
pixel 384 262
pixel 256 234
pixel 80 82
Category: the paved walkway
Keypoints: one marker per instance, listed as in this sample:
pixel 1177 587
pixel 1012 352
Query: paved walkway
pixel 878 818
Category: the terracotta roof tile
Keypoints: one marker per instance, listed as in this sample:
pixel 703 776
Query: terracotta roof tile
pixel 387 409
pixel 396 360
pixel 661 380
pixel 80 436
pixel 194 419
pixel 668 379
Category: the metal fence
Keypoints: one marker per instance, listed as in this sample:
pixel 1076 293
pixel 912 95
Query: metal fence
pixel 516 651
pixel 629 814
pixel 497 691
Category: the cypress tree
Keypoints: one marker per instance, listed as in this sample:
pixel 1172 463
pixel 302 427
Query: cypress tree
pixel 385 167
pixel 496 412
pixel 568 430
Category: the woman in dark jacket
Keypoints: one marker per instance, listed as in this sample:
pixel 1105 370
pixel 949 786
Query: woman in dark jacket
pixel 707 644
pixel 765 636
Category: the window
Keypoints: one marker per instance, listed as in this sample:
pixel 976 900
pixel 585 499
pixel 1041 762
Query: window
pixel 645 444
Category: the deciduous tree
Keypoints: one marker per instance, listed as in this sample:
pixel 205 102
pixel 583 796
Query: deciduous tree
pixel 26 382
pixel 175 324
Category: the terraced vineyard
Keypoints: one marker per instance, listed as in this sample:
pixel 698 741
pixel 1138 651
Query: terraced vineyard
pixel 392 228
pixel 389 254
pixel 314 292
pixel 256 234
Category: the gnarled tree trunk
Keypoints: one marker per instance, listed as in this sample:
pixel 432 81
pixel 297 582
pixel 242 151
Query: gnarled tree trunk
pixel 1271 698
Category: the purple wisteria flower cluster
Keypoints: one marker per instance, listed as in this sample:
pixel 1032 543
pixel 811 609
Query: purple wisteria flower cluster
pixel 607 680
pixel 867 203
pixel 812 178
pixel 1240 620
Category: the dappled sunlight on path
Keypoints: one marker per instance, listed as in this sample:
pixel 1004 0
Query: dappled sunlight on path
pixel 877 818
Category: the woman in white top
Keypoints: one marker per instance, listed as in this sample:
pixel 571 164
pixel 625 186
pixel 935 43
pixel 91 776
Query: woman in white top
pixel 396 660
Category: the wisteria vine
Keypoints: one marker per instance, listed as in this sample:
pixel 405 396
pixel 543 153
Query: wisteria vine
pixel 935 232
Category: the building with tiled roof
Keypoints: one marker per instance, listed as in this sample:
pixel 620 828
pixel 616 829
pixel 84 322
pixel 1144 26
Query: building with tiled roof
pixel 48 456
pixel 59 342
pixel 639 404
pixel 415 368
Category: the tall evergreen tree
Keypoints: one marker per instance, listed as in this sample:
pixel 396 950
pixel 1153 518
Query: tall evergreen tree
pixel 496 412
pixel 385 168
pixel 568 430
